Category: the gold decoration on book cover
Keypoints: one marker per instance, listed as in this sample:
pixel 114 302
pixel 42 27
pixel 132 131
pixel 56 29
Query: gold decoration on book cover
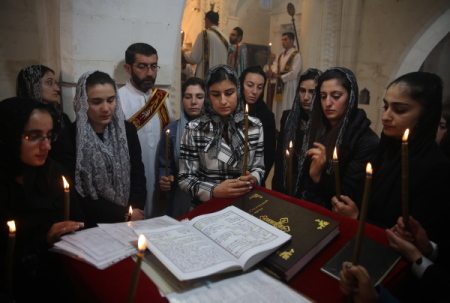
pixel 280 224
pixel 322 223
pixel 286 254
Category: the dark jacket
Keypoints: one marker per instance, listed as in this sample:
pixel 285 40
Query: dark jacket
pixel 34 207
pixel 102 210
pixel 358 147
pixel 259 110
pixel 278 181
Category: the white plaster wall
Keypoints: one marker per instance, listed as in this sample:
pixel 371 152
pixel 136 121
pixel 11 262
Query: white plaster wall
pixel 19 42
pixel 95 35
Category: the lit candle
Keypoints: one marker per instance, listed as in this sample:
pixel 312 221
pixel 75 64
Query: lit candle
pixel 289 158
pixel 244 165
pixel 142 245
pixel 128 215
pixel 362 214
pixel 10 254
pixel 167 152
pixel 270 50
pixel 405 177
pixel 66 199
pixel 337 176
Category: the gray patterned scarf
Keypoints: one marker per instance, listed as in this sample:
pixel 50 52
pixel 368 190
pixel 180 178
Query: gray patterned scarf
pixel 102 166
pixel 235 122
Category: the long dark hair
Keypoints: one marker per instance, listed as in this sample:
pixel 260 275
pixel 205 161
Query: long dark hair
pixel 14 115
pixel 320 129
pixel 252 70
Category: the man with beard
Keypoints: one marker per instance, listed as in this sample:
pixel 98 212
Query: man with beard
pixel 237 53
pixel 148 108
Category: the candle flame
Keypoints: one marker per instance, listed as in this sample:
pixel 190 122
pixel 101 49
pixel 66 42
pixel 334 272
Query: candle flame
pixel 369 169
pixel 181 31
pixel 287 152
pixel 66 184
pixel 270 44
pixel 290 144
pixel 167 131
pixel 12 226
pixel 246 109
pixel 335 157
pixel 142 244
pixel 405 135
pixel 130 212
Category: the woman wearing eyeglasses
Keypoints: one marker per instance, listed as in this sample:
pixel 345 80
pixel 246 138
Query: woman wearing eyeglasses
pixel 31 194
pixel 39 83
pixel 103 152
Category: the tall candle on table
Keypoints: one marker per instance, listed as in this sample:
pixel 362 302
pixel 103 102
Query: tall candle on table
pixel 167 152
pixel 10 254
pixel 337 176
pixel 66 199
pixel 289 158
pixel 362 214
pixel 405 178
pixel 142 245
pixel 244 164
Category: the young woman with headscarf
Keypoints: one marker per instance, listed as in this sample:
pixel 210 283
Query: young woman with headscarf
pixel 292 128
pixel 253 81
pixel 179 202
pixel 32 194
pixel 212 146
pixel 335 121
pixel 412 101
pixel 103 151
pixel 39 83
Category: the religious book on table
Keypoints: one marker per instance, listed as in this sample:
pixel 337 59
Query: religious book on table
pixel 255 286
pixel 107 244
pixel 375 257
pixel 310 231
pixel 226 240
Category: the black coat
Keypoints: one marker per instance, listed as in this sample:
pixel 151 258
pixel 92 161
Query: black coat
pixel 267 118
pixel 358 147
pixel 102 210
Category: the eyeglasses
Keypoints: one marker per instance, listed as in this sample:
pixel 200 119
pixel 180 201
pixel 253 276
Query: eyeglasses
pixel 32 138
pixel 145 67
pixel 51 83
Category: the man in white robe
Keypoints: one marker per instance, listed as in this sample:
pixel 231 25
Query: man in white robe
pixel 289 65
pixel 210 48
pixel 148 108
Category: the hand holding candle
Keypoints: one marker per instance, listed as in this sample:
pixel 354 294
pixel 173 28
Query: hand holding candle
pixel 405 178
pixel 66 199
pixel 337 177
pixel 167 152
pixel 142 245
pixel 128 215
pixel 362 214
pixel 10 253
pixel 244 164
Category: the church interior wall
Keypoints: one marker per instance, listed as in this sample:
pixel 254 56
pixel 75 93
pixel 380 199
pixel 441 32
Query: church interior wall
pixel 73 37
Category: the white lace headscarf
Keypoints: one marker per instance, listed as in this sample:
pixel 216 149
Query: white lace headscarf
pixel 102 166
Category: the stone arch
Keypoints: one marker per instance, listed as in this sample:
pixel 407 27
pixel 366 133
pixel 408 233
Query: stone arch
pixel 420 48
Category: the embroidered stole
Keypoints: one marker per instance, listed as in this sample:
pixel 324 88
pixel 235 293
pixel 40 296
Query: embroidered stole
pixel 280 84
pixel 155 104
pixel 206 48
pixel 233 57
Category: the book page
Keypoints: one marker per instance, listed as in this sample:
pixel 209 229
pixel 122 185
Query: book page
pixel 240 234
pixel 252 287
pixel 187 253
pixel 124 231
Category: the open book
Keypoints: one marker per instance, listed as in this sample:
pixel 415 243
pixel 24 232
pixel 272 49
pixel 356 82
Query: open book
pixel 226 240
pixel 109 243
